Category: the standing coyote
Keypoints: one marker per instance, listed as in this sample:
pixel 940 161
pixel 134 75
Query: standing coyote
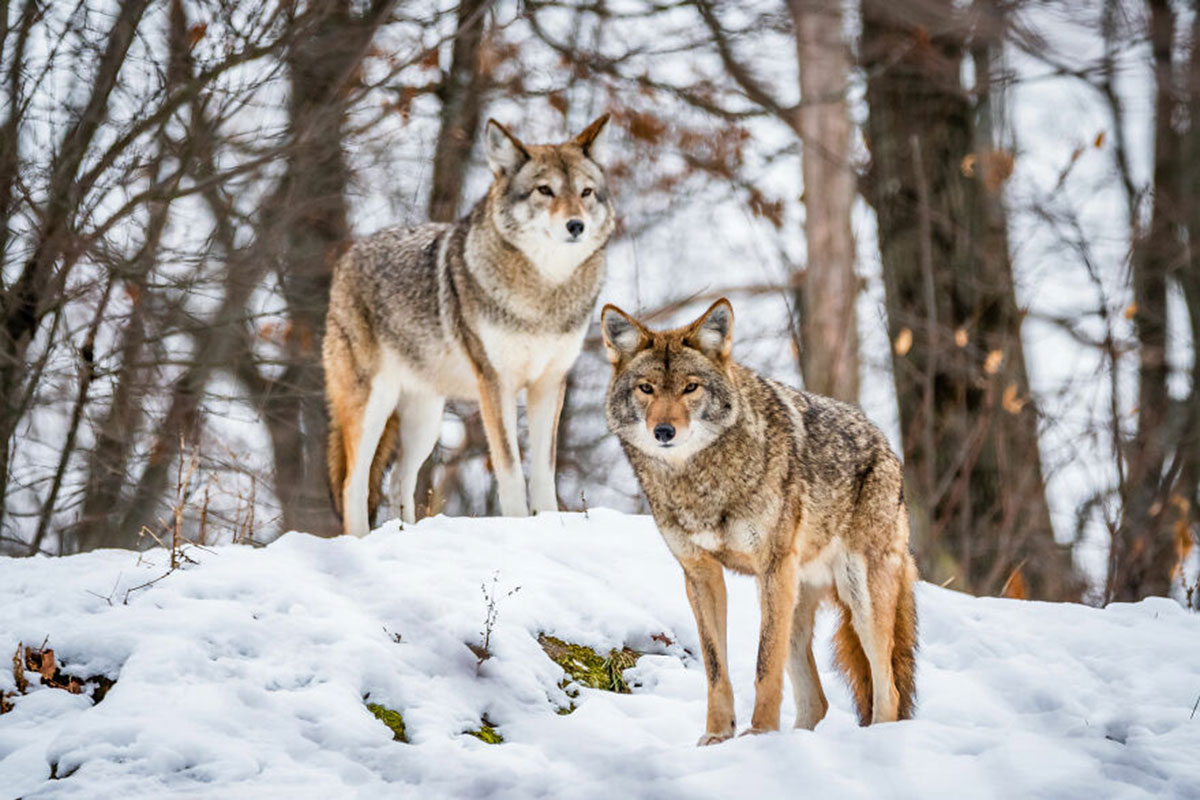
pixel 799 490
pixel 480 309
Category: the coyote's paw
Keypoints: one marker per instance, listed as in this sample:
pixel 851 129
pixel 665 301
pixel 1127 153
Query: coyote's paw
pixel 755 731
pixel 713 738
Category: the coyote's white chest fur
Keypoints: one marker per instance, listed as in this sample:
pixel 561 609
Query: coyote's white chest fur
pixel 522 358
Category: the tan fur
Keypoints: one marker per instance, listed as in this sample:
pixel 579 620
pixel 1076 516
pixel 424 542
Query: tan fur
pixel 800 491
pixel 852 660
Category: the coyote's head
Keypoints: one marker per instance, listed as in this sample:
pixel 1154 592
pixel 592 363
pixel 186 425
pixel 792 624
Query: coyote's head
pixel 671 393
pixel 550 201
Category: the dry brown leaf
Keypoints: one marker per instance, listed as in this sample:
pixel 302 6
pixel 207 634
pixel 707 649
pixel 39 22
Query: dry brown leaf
pixel 558 101
pixel 761 206
pixel 646 127
pixel 195 34
pixel 904 341
pixel 1099 142
pixel 1183 546
pixel 991 364
pixel 968 165
pixel 18 668
pixel 1131 310
pixel 431 58
pixel 997 168
pixel 1011 400
pixel 1015 587
pixel 47 667
pixel 961 338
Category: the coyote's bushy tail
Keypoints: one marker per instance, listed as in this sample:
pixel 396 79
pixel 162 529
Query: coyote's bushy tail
pixel 853 660
pixel 904 643
pixel 379 464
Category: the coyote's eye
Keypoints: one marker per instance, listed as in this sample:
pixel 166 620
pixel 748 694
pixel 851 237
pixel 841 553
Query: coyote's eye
pixel 546 190
pixel 586 192
pixel 691 387
pixel 645 388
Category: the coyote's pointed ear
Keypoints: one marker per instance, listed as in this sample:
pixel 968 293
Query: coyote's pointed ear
pixel 505 153
pixel 712 333
pixel 623 335
pixel 588 140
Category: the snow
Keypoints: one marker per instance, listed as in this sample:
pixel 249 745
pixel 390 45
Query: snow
pixel 243 675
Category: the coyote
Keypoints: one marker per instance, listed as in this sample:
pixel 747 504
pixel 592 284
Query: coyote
pixel 479 309
pixel 799 490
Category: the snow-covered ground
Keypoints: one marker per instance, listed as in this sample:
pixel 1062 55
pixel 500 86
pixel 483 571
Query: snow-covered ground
pixel 244 676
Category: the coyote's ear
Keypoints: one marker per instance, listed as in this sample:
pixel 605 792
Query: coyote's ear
pixel 712 334
pixel 505 153
pixel 588 140
pixel 623 335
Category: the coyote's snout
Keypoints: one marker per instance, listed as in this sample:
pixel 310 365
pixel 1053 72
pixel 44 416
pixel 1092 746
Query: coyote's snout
pixel 799 490
pixel 479 310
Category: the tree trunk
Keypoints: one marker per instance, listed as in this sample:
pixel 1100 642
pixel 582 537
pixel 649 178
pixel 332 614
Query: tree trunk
pixel 969 426
pixel 828 324
pixel 1143 551
pixel 1188 447
pixel 307 229
pixel 461 94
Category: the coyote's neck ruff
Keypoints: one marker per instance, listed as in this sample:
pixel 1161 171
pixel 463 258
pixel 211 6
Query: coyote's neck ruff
pixel 478 310
pixel 799 490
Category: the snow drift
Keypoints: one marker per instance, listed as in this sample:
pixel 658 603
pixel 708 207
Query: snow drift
pixel 248 674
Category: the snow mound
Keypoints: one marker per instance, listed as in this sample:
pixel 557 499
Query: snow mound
pixel 246 676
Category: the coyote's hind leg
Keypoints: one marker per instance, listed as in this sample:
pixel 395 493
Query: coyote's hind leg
pixel 420 426
pixel 362 432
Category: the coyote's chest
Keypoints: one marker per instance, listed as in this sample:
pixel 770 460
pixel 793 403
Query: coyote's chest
pixel 521 357
pixel 735 539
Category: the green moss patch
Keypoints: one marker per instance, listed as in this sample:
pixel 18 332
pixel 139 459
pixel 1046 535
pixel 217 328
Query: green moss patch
pixel 487 732
pixel 392 719
pixel 587 667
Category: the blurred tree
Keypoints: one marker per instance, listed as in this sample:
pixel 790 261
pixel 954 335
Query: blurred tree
pixel 828 321
pixel 305 230
pixel 1161 474
pixel 969 425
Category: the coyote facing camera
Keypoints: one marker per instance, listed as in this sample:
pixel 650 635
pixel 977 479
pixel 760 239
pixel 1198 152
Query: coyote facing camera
pixel 799 490
pixel 477 310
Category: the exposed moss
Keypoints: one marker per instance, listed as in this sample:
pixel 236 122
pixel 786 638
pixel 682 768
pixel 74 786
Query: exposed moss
pixel 392 719
pixel 571 690
pixel 587 667
pixel 487 732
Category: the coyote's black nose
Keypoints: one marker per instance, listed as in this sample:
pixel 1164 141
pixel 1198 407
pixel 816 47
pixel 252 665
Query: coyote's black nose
pixel 664 432
pixel 575 227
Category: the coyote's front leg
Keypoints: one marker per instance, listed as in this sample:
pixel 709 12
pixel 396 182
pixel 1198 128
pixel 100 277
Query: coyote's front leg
pixel 498 406
pixel 777 590
pixel 706 592
pixel 545 407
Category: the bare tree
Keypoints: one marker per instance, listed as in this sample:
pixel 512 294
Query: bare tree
pixel 968 422
pixel 1159 486
pixel 828 322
